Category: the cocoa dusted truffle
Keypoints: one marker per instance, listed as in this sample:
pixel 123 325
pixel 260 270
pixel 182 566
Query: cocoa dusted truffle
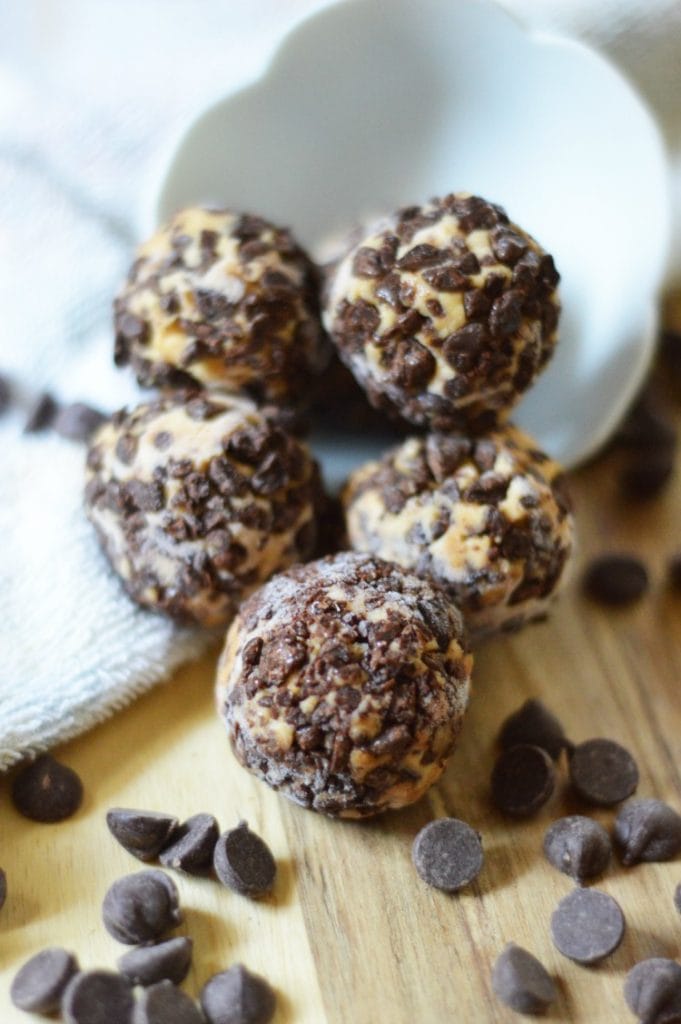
pixel 486 518
pixel 222 299
pixel 445 313
pixel 197 499
pixel 344 682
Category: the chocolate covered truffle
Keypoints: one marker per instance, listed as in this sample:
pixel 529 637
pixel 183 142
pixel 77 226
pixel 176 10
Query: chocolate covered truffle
pixel 445 313
pixel 223 300
pixel 197 499
pixel 486 518
pixel 343 684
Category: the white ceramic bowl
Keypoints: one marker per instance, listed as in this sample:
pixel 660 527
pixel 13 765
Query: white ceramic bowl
pixel 372 104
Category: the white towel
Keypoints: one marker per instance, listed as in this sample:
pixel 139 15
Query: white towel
pixel 90 95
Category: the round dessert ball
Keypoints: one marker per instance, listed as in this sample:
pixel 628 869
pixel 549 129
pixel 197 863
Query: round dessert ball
pixel 487 518
pixel 197 499
pixel 222 300
pixel 343 684
pixel 445 313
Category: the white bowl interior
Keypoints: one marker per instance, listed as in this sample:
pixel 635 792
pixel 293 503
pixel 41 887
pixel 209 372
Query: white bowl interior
pixel 372 104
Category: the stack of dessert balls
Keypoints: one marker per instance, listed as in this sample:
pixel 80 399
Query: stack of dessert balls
pixel 344 680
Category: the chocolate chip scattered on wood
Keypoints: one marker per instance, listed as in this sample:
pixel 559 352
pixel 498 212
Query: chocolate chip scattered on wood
pixel 166 1004
pixel 95 997
pixel 47 791
pixel 141 833
pixel 141 907
pixel 39 985
pixel 521 982
pixel 647 830
pixel 578 847
pixel 191 846
pixel 243 862
pixel 533 723
pixel 41 414
pixel 166 961
pixel 616 579
pixel 587 925
pixel 77 421
pixel 237 996
pixel 652 990
pixel 523 780
pixel 602 772
pixel 447 854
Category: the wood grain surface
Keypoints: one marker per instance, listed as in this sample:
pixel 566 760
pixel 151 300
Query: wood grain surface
pixel 351 935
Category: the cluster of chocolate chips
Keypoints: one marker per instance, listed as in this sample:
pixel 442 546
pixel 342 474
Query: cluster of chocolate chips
pixel 139 910
pixel 587 925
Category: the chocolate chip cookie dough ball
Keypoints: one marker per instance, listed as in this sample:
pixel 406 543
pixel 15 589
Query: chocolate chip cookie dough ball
pixel 197 499
pixel 343 683
pixel 488 519
pixel 223 300
pixel 445 313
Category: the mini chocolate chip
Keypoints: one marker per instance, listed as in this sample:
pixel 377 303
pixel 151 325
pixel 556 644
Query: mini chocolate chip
pixel 447 854
pixel 507 246
pixel 5 393
pixel 41 414
pixel 602 772
pixel 166 1004
pixel 578 847
pixel 647 475
pixel 77 422
pixel 368 263
pixel 652 990
pixel 506 313
pixel 243 862
pixel 522 982
pixel 616 579
pixel 167 961
pixel 533 723
pixel 141 833
pixel 133 328
pixel 445 279
pixel 421 256
pixel 98 997
pixel 523 779
pixel 39 985
pixel 141 907
pixel 587 925
pixel 191 846
pixel 3 888
pixel 647 830
pixel 47 791
pixel 674 571
pixel 237 996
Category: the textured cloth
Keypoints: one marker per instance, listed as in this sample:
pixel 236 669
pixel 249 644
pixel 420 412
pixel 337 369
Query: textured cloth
pixel 91 95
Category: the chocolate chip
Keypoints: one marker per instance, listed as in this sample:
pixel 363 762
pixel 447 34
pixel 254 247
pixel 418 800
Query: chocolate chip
pixel 523 779
pixel 3 888
pixel 412 366
pixel 447 854
pixel 587 925
pixel 77 422
pixel 39 985
pixel 167 961
pixel 602 772
pixel 192 845
pixel 5 393
pixel 578 847
pixel 47 791
pixel 141 833
pixel 421 256
pixel 237 996
pixel 41 414
pixel 166 1004
pixel 98 997
pixel 522 982
pixel 507 246
pixel 367 263
pixel 616 579
pixel 445 279
pixel 533 723
pixel 647 475
pixel 647 830
pixel 652 990
pixel 141 907
pixel 243 862
pixel 506 313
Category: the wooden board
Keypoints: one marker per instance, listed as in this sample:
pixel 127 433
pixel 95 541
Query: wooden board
pixel 351 936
